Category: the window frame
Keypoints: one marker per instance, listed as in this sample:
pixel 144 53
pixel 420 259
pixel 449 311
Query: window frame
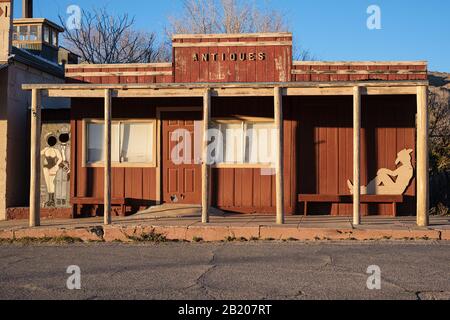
pixel 37 33
pixel 46 31
pixel 114 164
pixel 244 121
pixel 54 38
pixel 26 34
pixel 15 35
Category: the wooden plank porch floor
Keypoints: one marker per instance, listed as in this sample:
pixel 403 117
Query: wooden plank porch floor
pixel 371 222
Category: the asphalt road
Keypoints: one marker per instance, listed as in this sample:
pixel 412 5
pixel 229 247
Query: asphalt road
pixel 252 270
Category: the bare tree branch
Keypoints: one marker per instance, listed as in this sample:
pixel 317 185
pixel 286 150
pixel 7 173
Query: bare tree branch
pixel 229 16
pixel 439 123
pixel 225 16
pixel 105 38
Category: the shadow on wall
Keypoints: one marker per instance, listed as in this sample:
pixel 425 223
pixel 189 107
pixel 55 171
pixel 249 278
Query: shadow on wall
pixel 440 193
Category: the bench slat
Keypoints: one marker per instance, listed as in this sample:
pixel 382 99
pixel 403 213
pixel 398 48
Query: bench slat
pixel 334 198
pixel 84 200
pixel 372 198
pixel 319 198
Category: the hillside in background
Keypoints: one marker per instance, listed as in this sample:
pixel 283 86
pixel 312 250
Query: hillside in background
pixel 439 79
pixel 439 113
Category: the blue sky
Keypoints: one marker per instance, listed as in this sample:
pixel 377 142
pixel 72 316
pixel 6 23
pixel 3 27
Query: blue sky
pixel 330 29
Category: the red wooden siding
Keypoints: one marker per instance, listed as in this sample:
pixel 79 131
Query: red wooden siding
pixel 276 66
pixel 123 74
pixel 318 140
pixel 248 190
pixel 325 145
pixel 137 184
pixel 317 151
pixel 363 71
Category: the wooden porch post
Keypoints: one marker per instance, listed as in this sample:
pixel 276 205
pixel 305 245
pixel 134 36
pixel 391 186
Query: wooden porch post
pixel 107 151
pixel 356 155
pixel 35 156
pixel 205 167
pixel 278 113
pixel 422 157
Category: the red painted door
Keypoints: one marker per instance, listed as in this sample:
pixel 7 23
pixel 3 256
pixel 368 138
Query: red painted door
pixel 181 175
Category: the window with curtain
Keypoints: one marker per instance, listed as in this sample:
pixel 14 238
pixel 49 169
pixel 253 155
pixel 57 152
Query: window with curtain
pixel 246 143
pixel 15 35
pixel 23 33
pixel 34 33
pixel 132 142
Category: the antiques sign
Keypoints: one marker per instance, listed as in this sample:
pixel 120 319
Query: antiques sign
pixel 243 56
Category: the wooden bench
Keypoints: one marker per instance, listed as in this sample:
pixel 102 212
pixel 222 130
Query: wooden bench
pixel 335 198
pixel 122 202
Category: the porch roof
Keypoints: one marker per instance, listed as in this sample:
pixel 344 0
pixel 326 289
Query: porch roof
pixel 87 90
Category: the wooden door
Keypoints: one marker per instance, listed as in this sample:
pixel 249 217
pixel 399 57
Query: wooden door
pixel 181 174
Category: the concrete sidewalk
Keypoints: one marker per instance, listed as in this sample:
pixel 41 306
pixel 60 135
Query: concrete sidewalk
pixel 231 227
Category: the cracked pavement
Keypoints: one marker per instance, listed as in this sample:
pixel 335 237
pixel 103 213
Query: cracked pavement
pixel 247 270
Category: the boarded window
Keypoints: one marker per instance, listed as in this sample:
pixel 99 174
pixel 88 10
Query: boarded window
pixel 232 144
pixel 131 142
pixel 136 142
pixel 261 143
pixel 246 143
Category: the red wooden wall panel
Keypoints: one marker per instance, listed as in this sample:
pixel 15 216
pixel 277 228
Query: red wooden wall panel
pixel 237 67
pixel 317 159
pixel 325 145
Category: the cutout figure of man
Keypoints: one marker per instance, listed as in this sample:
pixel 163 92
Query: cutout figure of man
pixel 63 175
pixel 51 165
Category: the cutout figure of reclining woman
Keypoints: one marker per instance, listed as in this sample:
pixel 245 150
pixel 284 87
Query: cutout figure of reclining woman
pixel 390 182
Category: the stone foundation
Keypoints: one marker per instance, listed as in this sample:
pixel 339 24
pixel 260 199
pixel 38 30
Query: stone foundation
pixel 46 213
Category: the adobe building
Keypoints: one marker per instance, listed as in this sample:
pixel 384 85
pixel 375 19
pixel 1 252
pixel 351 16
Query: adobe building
pixel 350 138
pixel 28 54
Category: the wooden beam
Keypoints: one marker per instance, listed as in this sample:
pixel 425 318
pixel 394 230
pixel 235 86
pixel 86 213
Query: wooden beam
pixel 158 93
pixel 230 44
pixel 227 85
pixel 228 92
pixel 107 152
pixel 76 93
pixel 360 63
pixel 339 91
pixel 35 157
pixel 422 192
pixel 205 166
pixel 244 92
pixel 279 167
pixel 356 155
pixel 119 74
pixel 117 65
pixel 358 72
pixel 373 91
pixel 233 35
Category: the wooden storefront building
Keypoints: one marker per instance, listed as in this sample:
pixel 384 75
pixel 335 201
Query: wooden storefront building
pixel 337 124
